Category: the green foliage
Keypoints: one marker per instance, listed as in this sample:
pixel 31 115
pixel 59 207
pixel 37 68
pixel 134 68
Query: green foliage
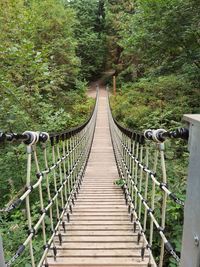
pixel 160 37
pixel 90 36
pixel 41 90
pixel 154 49
pixel 37 61
pixel 160 103
pixel 50 48
pixel 153 103
pixel 120 182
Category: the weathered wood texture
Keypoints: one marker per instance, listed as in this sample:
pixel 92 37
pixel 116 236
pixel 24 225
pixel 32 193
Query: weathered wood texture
pixel 100 232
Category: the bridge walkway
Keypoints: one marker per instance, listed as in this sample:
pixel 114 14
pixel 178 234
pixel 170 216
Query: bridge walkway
pixel 100 232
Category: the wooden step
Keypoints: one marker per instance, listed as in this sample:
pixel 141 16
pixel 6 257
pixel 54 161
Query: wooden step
pixel 100 245
pixel 97 239
pixel 100 198
pixel 115 202
pixel 97 261
pixel 102 190
pixel 110 252
pixel 74 227
pixel 98 204
pixel 105 195
pixel 99 207
pixel 96 214
pixel 99 233
pixel 101 222
pixel 99 213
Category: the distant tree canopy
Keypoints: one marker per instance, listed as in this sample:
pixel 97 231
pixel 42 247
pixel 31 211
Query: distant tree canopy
pixel 90 36
pixel 154 47
pixel 47 48
pixel 155 37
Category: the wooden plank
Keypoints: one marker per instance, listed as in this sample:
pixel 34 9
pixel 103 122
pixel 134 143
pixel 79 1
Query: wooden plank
pixel 99 233
pixel 98 169
pixel 100 218
pixel 97 239
pixel 106 177
pixel 97 261
pixel 101 175
pixel 97 246
pixel 109 185
pixel 74 227
pixel 99 195
pixel 99 213
pixel 99 210
pixel 100 198
pixel 119 201
pixel 99 207
pixel 110 192
pixel 102 189
pixel 100 203
pixel 129 252
pixel 100 181
pixel 101 222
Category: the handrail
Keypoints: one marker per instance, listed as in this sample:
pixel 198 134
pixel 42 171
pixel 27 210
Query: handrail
pixel 137 169
pixel 61 179
pixel 157 135
pixel 137 136
pixel 27 137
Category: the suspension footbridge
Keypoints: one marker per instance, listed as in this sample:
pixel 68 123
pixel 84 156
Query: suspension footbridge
pixel 96 187
pixel 100 231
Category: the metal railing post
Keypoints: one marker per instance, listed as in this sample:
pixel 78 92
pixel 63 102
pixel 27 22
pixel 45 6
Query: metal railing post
pixel 190 254
pixel 2 259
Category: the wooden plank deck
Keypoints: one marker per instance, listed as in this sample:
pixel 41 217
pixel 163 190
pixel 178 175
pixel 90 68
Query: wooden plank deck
pixel 100 232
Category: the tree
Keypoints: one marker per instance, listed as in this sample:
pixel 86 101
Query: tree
pixel 90 36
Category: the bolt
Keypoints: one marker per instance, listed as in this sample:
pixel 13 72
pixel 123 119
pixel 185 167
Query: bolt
pixel 196 240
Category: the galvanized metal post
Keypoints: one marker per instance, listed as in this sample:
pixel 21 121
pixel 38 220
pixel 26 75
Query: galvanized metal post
pixel 190 254
pixel 2 259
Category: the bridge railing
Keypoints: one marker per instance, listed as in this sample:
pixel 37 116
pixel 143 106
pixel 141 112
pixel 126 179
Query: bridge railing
pixel 59 161
pixel 141 164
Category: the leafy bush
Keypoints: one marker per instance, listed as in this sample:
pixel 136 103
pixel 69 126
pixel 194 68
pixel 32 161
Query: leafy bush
pixel 153 103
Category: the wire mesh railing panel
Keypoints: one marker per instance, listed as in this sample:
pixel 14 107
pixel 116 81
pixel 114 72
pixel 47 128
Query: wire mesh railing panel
pixel 142 168
pixel 55 167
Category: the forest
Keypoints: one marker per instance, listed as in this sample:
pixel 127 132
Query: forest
pixel 51 50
